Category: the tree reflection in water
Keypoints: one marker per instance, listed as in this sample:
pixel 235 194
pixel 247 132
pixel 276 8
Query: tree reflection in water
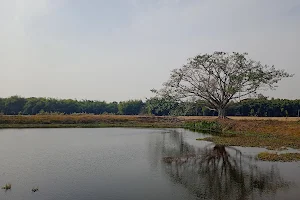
pixel 219 172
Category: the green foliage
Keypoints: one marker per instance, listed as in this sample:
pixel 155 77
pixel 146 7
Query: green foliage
pixel 158 106
pixel 13 105
pixel 208 126
pixel 167 106
pixel 263 107
pixel 31 106
pixel 131 107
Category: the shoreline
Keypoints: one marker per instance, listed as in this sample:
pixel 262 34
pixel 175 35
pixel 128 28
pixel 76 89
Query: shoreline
pixel 36 126
pixel 266 133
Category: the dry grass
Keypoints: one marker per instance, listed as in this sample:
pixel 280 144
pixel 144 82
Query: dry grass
pixel 285 157
pixel 87 121
pixel 240 125
pixel 241 118
pixel 90 119
pixel 270 134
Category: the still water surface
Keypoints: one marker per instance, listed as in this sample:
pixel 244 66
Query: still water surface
pixel 123 163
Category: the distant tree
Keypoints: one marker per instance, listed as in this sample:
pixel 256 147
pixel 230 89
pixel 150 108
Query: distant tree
pixel 251 112
pixel 14 105
pixel 160 106
pixel 112 108
pixel 186 108
pixel 286 113
pixel 2 105
pixel 261 96
pixel 219 78
pixel 157 105
pixel 131 107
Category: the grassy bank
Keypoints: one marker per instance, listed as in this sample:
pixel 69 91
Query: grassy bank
pixel 100 125
pixel 269 134
pixel 265 128
pixel 272 134
pixel 275 157
pixel 87 121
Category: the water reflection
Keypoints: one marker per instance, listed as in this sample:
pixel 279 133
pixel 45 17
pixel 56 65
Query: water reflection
pixel 218 172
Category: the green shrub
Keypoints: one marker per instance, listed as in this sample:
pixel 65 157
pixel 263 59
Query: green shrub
pixel 204 126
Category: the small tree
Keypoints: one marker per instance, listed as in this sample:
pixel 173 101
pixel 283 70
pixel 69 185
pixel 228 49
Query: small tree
pixel 219 78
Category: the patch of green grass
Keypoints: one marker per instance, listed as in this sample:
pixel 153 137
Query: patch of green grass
pixel 285 157
pixel 204 126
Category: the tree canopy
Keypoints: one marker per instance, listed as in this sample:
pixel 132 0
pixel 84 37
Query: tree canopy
pixel 219 78
pixel 261 107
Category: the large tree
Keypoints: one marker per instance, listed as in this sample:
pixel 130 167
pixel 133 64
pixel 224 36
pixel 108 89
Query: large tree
pixel 219 78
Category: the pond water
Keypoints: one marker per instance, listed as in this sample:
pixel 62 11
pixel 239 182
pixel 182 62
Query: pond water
pixel 124 163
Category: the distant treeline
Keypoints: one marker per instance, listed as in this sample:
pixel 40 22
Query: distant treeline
pixel 261 107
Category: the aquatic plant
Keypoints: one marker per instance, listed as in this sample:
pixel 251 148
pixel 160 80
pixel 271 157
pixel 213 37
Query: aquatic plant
pixel 35 189
pixel 7 186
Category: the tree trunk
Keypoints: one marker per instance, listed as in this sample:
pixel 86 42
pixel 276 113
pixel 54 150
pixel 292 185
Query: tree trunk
pixel 221 113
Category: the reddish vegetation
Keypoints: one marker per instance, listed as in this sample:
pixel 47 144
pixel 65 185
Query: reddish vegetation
pixel 291 127
pixel 91 119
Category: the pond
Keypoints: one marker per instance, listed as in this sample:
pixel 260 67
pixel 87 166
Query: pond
pixel 126 163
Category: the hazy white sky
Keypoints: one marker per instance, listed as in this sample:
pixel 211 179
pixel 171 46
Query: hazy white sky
pixel 120 49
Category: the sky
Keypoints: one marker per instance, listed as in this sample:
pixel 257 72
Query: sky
pixel 116 50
